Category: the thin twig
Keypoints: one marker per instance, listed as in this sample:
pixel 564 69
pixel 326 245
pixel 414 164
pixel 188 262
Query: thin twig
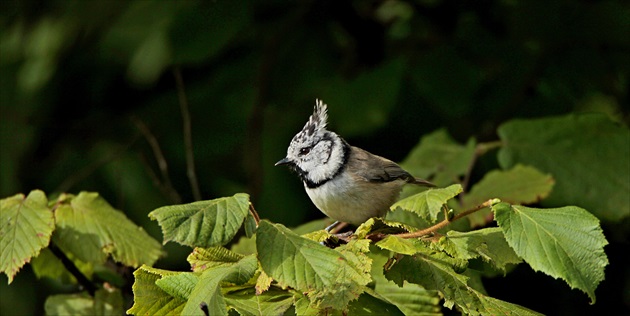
pixel 447 221
pixel 190 157
pixel 165 184
pixel 72 268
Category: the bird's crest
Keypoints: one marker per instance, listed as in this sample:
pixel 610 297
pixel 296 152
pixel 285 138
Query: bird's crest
pixel 316 122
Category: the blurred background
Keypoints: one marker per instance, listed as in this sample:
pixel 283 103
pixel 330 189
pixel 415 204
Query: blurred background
pixel 100 96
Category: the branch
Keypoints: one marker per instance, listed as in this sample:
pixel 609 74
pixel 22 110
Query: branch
pixel 447 221
pixel 190 157
pixel 166 184
pixel 72 268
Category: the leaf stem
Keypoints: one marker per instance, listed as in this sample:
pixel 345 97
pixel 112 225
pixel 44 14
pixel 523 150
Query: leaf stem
pixel 72 268
pixel 447 221
pixel 254 213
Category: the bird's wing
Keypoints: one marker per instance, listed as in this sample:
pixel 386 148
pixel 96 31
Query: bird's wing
pixel 375 168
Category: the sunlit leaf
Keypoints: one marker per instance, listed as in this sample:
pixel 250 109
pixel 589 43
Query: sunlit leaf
pixel 489 244
pixel 208 289
pixel 178 285
pixel 586 154
pixel 565 243
pixel 333 278
pixel 272 302
pixel 90 229
pixel 428 204
pixel 411 299
pixel 26 225
pixel 203 258
pixel 204 223
pixel 150 299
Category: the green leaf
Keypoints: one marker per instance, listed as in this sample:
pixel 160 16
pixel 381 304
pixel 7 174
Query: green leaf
pixel 90 229
pixel 487 243
pixel 334 278
pixel 368 304
pixel 272 302
pixel 46 264
pixel 382 226
pixel 203 258
pixel 400 245
pixel 26 225
pixel 179 285
pixel 519 185
pixel 565 243
pixel 204 223
pixel 208 289
pixel 586 154
pixel 104 302
pixel 438 155
pixel 428 204
pixel 435 271
pixel 149 298
pixel 411 299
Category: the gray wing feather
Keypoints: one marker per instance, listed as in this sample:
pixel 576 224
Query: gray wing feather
pixel 374 168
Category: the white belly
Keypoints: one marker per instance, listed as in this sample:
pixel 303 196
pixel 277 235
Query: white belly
pixel 346 200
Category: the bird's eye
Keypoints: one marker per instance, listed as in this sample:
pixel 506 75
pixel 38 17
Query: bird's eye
pixel 305 150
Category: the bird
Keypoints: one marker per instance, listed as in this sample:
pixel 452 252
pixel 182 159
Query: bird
pixel 346 183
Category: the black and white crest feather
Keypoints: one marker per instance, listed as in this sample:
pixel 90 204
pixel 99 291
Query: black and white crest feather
pixel 316 122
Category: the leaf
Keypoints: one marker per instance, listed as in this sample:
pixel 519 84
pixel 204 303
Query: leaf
pixel 487 243
pixel 382 226
pixel 104 302
pixel 150 299
pixel 519 185
pixel 208 289
pixel 90 229
pixel 204 223
pixel 26 225
pixel 565 243
pixel 438 155
pixel 46 264
pixel 371 305
pixel 400 245
pixel 411 299
pixel 586 154
pixel 263 283
pixel 335 278
pixel 272 302
pixel 435 271
pixel 428 204
pixel 203 258
pixel 178 285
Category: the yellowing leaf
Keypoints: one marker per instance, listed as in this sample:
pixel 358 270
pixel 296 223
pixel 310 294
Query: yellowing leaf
pixel 203 258
pixel 150 299
pixel 26 225
pixel 90 229
pixel 565 242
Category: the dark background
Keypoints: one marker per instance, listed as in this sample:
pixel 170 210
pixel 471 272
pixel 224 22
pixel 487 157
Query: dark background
pixel 85 86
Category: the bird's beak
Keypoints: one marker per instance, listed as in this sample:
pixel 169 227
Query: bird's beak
pixel 283 161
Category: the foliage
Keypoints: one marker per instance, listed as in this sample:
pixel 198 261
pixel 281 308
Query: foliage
pixel 93 96
pixel 381 269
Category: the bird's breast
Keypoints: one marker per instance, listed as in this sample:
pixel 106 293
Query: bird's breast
pixel 347 199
